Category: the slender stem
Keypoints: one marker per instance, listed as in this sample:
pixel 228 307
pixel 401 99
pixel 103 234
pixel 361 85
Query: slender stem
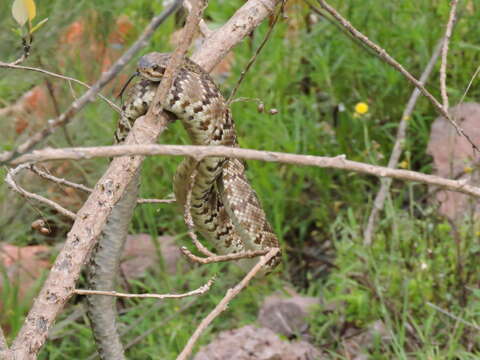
pixel 443 66
pixel 223 304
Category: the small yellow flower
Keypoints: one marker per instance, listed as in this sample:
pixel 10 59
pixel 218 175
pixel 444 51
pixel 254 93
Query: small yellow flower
pixel 468 169
pixel 361 108
pixel 403 164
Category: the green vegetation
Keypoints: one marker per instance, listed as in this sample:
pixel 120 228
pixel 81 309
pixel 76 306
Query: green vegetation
pixel 305 71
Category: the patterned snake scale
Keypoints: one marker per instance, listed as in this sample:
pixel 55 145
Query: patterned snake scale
pixel 224 207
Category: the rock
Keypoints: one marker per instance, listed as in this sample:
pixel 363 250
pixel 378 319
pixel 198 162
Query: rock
pixel 251 343
pixel 23 266
pixel 286 316
pixel 140 254
pixel 453 157
pixel 356 345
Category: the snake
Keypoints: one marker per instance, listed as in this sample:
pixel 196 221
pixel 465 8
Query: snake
pixel 224 207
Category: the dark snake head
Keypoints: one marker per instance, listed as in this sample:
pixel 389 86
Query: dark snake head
pixel 152 66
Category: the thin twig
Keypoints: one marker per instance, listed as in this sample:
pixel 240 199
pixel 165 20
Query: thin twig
pixel 222 305
pixel 382 54
pixel 10 180
pixel 398 147
pixel 257 52
pixel 449 314
pixel 475 74
pixel 86 189
pixel 67 78
pixel 88 96
pixel 199 152
pixel 223 258
pixel 201 290
pixel 443 66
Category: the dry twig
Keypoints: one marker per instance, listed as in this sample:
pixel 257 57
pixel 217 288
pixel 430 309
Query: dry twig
pixel 222 258
pixel 86 189
pixel 10 180
pixel 382 54
pixel 201 290
pixel 199 152
pixel 443 66
pixel 222 305
pixel 67 78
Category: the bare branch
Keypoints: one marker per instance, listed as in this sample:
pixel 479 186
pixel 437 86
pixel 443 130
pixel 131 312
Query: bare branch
pixel 443 66
pixel 67 78
pixel 199 152
pixel 86 189
pixel 222 305
pixel 89 96
pixel 201 290
pixel 382 54
pixel 10 180
pixel 398 147
pixel 223 258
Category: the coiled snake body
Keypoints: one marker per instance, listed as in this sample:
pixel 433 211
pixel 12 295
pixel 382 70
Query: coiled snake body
pixel 224 207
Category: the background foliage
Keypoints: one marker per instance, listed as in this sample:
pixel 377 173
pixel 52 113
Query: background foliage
pixel 309 71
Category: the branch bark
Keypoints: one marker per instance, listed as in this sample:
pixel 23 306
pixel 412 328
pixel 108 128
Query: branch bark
pixel 199 152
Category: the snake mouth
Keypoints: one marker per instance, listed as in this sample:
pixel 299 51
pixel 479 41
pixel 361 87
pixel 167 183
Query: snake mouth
pixel 148 76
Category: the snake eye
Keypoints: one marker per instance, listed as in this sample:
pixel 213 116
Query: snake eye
pixel 155 68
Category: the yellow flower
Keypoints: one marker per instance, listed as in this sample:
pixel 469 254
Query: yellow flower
pixel 361 108
pixel 468 169
pixel 403 164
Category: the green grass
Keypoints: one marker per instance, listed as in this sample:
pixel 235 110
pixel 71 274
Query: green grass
pixel 319 214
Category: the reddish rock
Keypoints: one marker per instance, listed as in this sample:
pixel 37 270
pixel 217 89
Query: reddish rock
pixel 454 158
pixel 251 343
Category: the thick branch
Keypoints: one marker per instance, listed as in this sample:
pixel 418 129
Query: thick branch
pixel 443 66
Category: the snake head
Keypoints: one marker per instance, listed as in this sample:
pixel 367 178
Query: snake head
pixel 152 66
